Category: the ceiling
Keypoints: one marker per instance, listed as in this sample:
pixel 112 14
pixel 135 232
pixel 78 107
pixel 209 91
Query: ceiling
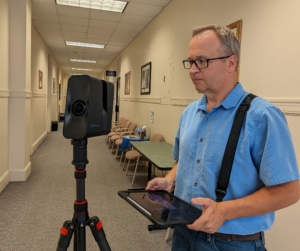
pixel 57 24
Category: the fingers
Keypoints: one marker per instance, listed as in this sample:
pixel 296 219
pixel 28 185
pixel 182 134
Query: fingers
pixel 211 218
pixel 154 184
pixel 206 202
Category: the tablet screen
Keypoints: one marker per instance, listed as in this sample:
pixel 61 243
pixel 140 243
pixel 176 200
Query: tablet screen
pixel 162 207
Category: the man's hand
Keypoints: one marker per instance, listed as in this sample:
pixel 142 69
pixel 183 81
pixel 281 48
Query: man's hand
pixel 212 217
pixel 160 184
pixel 167 183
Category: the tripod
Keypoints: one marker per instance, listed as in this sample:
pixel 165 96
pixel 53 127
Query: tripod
pixel 81 217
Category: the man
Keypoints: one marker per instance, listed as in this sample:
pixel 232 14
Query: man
pixel 264 176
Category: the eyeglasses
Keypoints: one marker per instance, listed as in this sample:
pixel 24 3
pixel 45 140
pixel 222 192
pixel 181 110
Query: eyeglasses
pixel 199 63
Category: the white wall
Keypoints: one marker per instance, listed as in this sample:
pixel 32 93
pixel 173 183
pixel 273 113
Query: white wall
pixel 4 93
pixel 39 95
pixel 269 65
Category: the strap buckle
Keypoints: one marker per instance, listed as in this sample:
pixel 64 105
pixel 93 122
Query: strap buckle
pixel 220 194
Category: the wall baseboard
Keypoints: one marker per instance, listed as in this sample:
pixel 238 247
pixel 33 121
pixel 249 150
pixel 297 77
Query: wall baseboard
pixel 20 175
pixel 36 144
pixel 4 180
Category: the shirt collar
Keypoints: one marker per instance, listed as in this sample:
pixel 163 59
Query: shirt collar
pixel 231 100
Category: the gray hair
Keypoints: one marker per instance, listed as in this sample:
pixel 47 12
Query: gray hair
pixel 229 42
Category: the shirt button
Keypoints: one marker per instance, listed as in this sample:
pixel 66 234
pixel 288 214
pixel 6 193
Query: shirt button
pixel 195 184
pixel 198 160
pixel 206 119
pixel 201 140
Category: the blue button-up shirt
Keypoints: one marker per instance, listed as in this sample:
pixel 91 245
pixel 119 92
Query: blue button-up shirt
pixel 264 157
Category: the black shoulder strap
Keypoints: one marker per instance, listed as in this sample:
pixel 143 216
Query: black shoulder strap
pixel 231 148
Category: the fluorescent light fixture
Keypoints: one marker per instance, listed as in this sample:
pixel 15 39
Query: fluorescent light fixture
pixel 81 69
pixel 99 46
pixel 106 5
pixel 83 61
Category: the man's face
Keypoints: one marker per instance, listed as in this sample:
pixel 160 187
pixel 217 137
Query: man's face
pixel 208 80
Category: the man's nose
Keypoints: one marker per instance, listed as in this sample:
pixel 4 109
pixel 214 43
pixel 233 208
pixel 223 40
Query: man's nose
pixel 194 68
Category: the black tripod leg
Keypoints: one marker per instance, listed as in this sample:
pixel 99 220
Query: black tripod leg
pixel 98 232
pixel 65 236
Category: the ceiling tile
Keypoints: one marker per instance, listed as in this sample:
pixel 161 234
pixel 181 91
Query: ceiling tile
pixel 75 28
pixel 103 24
pixel 74 20
pixel 122 33
pixel 100 31
pixel 105 15
pixel 130 27
pixel 98 37
pixel 81 35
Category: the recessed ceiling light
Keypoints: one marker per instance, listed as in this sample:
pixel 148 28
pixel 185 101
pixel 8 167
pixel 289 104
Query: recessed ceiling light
pixel 83 61
pixel 106 5
pixel 81 69
pixel 100 46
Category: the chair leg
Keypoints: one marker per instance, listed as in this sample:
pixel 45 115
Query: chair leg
pixel 167 234
pixel 107 140
pixel 112 147
pixel 127 166
pixel 121 159
pixel 124 163
pixel 117 150
pixel 136 166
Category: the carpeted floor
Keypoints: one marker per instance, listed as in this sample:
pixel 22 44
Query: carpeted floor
pixel 32 212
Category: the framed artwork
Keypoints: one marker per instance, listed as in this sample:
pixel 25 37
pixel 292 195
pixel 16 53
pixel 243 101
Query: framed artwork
pixel 146 78
pixel 40 79
pixel 236 27
pixel 127 83
pixel 59 91
pixel 54 87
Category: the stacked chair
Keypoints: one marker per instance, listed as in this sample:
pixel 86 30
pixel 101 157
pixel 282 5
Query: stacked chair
pixel 120 134
pixel 115 126
pixel 116 131
pixel 118 143
pixel 137 157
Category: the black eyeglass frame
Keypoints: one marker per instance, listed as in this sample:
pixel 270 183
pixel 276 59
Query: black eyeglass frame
pixel 191 62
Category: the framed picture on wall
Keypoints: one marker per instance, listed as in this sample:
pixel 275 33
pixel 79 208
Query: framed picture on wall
pixel 59 91
pixel 127 83
pixel 146 78
pixel 236 27
pixel 40 79
pixel 54 87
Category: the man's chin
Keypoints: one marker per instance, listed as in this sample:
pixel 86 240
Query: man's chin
pixel 199 88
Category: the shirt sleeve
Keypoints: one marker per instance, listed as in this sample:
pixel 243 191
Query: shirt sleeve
pixel 273 151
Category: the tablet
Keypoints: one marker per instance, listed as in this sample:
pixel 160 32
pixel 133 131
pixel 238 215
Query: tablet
pixel 160 207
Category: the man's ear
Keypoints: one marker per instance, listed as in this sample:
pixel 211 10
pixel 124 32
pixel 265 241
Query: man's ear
pixel 232 63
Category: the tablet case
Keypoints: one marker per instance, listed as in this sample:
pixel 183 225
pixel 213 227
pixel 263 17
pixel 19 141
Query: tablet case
pixel 163 209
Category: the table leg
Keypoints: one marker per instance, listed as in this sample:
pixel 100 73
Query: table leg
pixel 149 170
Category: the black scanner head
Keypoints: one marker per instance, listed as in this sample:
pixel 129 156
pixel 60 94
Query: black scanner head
pixel 89 105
